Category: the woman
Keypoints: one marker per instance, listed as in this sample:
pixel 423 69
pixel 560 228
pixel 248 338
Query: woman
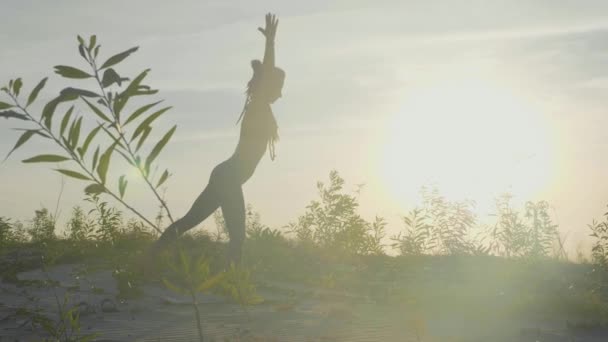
pixel 258 132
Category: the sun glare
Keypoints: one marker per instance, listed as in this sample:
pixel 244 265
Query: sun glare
pixel 471 139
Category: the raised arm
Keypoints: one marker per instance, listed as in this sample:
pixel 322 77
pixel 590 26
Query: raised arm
pixel 269 32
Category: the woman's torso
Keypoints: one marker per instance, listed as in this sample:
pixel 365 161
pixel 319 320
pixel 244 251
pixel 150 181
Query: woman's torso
pixel 257 128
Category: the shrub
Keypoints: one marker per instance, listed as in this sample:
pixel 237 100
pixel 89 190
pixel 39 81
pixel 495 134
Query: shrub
pixel 530 234
pixel 42 226
pixel 5 230
pixel 334 223
pixel 599 251
pixel 415 239
pixel 439 226
pixel 80 228
pixel 108 219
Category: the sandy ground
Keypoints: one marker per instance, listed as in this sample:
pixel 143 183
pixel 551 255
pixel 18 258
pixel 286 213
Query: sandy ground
pixel 290 312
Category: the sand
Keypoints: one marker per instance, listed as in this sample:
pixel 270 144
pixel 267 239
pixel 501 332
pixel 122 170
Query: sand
pixel 290 312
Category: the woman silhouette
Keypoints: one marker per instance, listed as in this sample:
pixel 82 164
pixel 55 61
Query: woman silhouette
pixel 258 132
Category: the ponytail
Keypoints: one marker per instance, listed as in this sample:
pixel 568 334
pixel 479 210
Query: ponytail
pixel 256 65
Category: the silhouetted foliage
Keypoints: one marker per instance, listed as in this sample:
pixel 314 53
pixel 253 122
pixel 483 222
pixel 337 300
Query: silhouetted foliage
pixel 105 113
pixel 450 222
pixel 80 227
pixel 333 222
pixel 5 230
pixel 599 250
pixel 42 226
pixel 415 239
pixel 531 234
pixel 439 226
pixel 108 219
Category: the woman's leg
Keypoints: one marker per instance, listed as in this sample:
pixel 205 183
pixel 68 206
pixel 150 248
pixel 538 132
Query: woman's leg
pixel 206 203
pixel 233 209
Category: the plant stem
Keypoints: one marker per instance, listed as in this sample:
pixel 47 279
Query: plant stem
pixel 122 137
pixel 79 162
pixel 198 316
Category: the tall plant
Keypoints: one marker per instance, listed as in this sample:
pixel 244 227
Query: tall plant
pixel 416 238
pixel 528 234
pixel 107 111
pixel 42 227
pixel 333 222
pixel 599 250
pixel 450 222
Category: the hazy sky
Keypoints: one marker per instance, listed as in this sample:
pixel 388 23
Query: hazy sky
pixel 479 96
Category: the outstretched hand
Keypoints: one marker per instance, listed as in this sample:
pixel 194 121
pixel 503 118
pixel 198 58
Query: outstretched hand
pixel 270 30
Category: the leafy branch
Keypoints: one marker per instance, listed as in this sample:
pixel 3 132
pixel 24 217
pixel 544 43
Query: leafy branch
pixel 107 104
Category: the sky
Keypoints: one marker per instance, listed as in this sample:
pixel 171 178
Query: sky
pixel 477 97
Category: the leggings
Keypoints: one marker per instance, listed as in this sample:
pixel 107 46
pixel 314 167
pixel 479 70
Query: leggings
pixel 223 191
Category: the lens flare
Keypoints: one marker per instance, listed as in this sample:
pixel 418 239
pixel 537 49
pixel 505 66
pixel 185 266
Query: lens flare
pixel 471 139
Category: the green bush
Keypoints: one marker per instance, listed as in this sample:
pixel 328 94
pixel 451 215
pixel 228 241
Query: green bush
pixel 80 227
pixel 439 226
pixel 531 234
pixel 42 226
pixel 334 223
pixel 599 250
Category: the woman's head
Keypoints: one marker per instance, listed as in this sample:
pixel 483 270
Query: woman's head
pixel 266 84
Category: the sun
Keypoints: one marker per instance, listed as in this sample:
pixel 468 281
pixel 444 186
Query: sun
pixel 471 139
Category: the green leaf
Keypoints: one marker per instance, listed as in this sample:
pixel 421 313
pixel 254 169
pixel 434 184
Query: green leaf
pixel 104 163
pixel 97 111
pixel 87 141
pixel 159 147
pixel 65 141
pixel 4 105
pixel 147 122
pixel 201 271
pixel 210 283
pixel 71 72
pixel 95 189
pixel 80 40
pixel 110 77
pixel 136 84
pixel 66 120
pixel 49 110
pixel 46 158
pixel 96 52
pixel 74 133
pixel 92 42
pixel 95 158
pixel 163 178
pixel 122 98
pixel 73 174
pixel 70 93
pixel 118 58
pixel 22 140
pixel 17 86
pixel 143 138
pixel 122 186
pixel 7 114
pixel 171 286
pixel 81 51
pixel 140 111
pixel 35 92
pixel 184 261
